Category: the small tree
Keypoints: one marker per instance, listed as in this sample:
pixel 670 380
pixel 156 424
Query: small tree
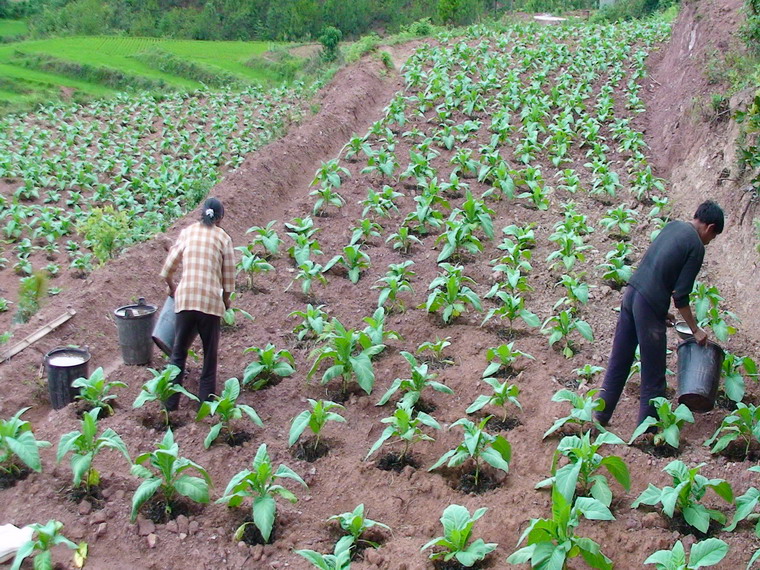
pixel 330 38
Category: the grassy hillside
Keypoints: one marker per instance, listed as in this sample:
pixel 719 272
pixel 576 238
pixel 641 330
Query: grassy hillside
pixel 12 28
pixel 95 66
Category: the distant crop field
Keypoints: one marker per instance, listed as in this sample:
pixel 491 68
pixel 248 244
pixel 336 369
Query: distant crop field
pixel 12 28
pixel 77 63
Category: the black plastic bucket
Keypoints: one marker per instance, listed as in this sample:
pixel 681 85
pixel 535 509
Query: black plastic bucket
pixel 135 324
pixel 64 365
pixel 699 369
pixel 163 331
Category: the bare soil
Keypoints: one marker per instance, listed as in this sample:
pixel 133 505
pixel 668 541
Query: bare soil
pixel 273 184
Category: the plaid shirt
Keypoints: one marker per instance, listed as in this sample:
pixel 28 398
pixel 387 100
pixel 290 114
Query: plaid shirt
pixel 208 268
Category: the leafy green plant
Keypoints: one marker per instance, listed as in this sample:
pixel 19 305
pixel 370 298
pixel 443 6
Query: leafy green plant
pixel 403 239
pixel 502 395
pixel 406 426
pixel 251 264
pixel 551 541
pixel 351 353
pixel 266 237
pixel 364 230
pixel 457 533
pixel 308 272
pixel 689 487
pixel 18 441
pixel 619 221
pixel 340 559
pixel 582 472
pixel 512 307
pixel 259 484
pixel 477 445
pixel 355 524
pixel 169 477
pixel 702 554
pixel 84 445
pixel 95 390
pixel 413 387
pixel 733 379
pixel 312 324
pixel 587 372
pixel 44 538
pixel 502 359
pixel 31 289
pixel 669 422
pixel 226 409
pixel 229 318
pixel 743 424
pixel 562 325
pixel 315 419
pixel 395 281
pixel 160 388
pixel 450 292
pixel 582 411
pixel 268 364
pixel 436 347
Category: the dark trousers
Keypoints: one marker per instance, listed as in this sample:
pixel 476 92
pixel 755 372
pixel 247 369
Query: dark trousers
pixel 188 325
pixel 637 325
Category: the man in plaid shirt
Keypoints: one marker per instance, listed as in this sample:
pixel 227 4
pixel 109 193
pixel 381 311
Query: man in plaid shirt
pixel 203 294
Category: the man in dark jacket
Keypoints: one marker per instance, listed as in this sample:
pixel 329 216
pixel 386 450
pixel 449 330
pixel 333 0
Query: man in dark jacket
pixel 668 270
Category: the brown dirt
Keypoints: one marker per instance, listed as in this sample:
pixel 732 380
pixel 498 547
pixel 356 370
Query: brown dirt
pixel 273 185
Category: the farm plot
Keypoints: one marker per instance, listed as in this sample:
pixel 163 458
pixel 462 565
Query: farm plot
pixel 459 260
pixel 81 183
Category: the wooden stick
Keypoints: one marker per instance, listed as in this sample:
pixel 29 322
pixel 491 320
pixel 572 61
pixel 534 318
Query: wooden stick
pixel 38 334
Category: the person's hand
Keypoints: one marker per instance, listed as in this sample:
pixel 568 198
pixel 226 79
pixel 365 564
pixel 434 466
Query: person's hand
pixel 170 289
pixel 670 319
pixel 701 337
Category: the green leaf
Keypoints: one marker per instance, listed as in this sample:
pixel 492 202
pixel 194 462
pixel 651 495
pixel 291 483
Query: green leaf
pixel 144 492
pixel 193 488
pixel 212 435
pixel 707 553
pixel 264 510
pixel 619 470
pixel 25 446
pixel 300 422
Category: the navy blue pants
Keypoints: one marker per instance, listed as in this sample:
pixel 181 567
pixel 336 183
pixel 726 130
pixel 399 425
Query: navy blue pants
pixel 637 325
pixel 188 325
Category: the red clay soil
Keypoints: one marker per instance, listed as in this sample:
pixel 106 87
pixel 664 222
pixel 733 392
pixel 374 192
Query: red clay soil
pixel 273 184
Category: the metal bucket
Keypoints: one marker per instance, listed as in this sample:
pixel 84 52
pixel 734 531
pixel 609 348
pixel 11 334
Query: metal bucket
pixel 163 331
pixel 135 323
pixel 699 369
pixel 64 365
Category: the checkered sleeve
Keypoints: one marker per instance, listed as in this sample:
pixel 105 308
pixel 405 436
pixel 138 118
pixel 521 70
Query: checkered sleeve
pixel 174 257
pixel 228 265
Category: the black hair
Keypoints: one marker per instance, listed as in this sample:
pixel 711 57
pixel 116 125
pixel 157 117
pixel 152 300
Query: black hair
pixel 212 211
pixel 710 213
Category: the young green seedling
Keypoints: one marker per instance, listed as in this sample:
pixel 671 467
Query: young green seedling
pixel 502 395
pixel 457 532
pixel 84 445
pixel 160 388
pixel 339 560
pixel 582 412
pixel 269 364
pixel 412 387
pixel 18 442
pixel 315 419
pixel 226 409
pixel 355 524
pixel 169 476
pixel 407 426
pixel 668 423
pixel 689 487
pixel 95 390
pixel 705 553
pixel 259 484
pixel 44 538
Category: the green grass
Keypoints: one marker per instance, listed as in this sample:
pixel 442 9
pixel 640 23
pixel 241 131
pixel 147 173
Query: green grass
pixel 118 53
pixel 12 28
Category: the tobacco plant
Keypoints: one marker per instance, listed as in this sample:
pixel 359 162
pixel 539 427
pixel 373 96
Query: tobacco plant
pixel 355 524
pixel 169 476
pixel 18 442
pixel 702 554
pixel 353 259
pixel 266 237
pixel 406 425
pixel 668 423
pixel 551 541
pixel 733 379
pixel 44 538
pixel 403 239
pixel 226 409
pixel 583 470
pixel 315 419
pixel 745 507
pixel 562 325
pixel 478 445
pixel 450 292
pixel 412 387
pixel 436 347
pixel 743 424
pixel 457 532
pixel 95 390
pixel 582 412
pixel 340 559
pixel 84 445
pixel 160 388
pixel 259 483
pixel 502 358
pixel 312 324
pixel 395 281
pixel 689 487
pixel 502 395
pixel 269 363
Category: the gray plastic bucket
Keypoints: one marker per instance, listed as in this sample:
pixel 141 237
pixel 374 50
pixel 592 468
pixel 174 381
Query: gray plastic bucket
pixel 699 369
pixel 64 365
pixel 135 323
pixel 163 331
